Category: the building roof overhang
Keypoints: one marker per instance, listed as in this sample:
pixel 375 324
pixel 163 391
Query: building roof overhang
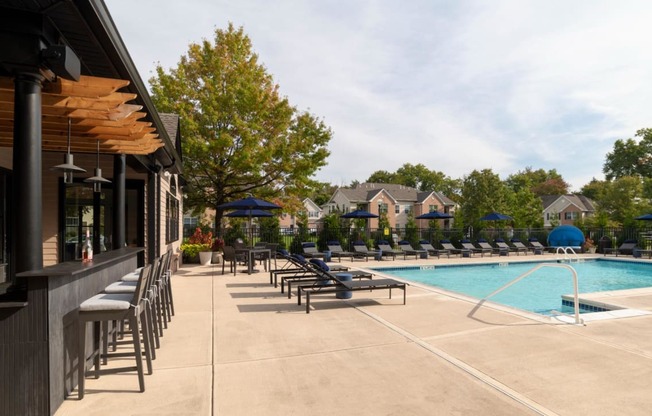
pixel 121 115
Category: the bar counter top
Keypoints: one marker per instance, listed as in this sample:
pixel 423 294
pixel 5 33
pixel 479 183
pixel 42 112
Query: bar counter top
pixel 74 268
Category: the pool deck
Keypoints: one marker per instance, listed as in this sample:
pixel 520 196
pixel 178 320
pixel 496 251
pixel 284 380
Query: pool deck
pixel 237 346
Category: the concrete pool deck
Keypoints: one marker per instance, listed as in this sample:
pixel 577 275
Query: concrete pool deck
pixel 237 346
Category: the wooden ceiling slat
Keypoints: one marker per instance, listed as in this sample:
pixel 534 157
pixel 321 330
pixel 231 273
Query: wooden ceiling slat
pixel 99 114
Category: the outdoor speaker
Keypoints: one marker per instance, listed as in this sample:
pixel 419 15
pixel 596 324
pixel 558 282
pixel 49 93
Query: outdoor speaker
pixel 61 60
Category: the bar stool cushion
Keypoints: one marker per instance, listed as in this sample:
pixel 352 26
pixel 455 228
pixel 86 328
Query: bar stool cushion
pixel 121 287
pixel 130 277
pixel 107 301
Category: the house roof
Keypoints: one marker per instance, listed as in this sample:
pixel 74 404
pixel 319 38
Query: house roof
pixel 366 192
pixel 583 203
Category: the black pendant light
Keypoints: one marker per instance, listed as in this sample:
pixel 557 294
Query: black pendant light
pixel 97 180
pixel 68 167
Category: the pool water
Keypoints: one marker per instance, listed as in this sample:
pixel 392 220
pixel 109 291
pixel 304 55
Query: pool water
pixel 541 291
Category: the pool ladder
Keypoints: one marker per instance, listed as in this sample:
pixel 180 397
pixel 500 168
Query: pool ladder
pixel 568 254
pixel 576 301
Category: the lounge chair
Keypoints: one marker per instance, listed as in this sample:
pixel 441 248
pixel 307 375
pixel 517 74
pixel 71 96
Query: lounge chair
pixel 484 244
pixel 310 250
pixel 447 245
pixel 425 245
pixel 337 251
pixel 519 245
pixel 294 267
pixel 503 245
pixel 331 283
pixel 387 250
pixel 315 269
pixel 469 246
pixel 361 250
pixel 537 247
pixel 626 248
pixel 407 250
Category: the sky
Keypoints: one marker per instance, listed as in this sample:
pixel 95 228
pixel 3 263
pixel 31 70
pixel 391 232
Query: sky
pixel 454 85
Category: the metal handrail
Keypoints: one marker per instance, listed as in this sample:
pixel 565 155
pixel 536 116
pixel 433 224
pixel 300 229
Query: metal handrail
pixel 567 255
pixel 576 300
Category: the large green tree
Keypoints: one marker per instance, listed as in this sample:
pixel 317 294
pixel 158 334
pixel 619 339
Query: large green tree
pixel 240 135
pixel 539 181
pixel 630 157
pixel 482 193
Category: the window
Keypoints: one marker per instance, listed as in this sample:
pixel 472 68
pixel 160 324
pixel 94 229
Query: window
pixel 397 209
pixel 408 209
pixel 571 215
pixel 189 225
pixel 382 208
pixel 432 208
pixel 83 209
pixel 171 218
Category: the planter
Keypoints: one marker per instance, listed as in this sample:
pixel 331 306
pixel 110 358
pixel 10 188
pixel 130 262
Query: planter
pixel 205 257
pixel 217 257
pixel 592 250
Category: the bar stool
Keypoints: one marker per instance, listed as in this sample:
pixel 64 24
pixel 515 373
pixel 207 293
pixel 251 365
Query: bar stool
pixel 129 287
pixel 107 307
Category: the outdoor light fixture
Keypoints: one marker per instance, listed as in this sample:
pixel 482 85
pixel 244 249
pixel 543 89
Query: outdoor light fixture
pixel 68 167
pixel 97 180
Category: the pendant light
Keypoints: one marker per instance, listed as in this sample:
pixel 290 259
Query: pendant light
pixel 68 167
pixel 97 180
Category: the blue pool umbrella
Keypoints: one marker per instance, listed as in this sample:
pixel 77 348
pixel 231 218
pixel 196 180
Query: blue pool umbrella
pixel 566 236
pixel 434 215
pixel 245 213
pixel 646 217
pixel 248 203
pixel 359 213
pixel 496 216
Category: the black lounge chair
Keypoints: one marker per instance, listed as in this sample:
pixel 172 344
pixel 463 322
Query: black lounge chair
pixel 361 250
pixel 484 244
pixel 626 248
pixel 502 244
pixel 519 245
pixel 310 250
pixel 337 251
pixel 387 250
pixel 468 245
pixel 407 250
pixel 315 269
pixel 425 245
pixel 331 283
pixel 537 247
pixel 447 245
pixel 294 267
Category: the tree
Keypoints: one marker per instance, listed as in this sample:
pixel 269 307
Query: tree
pixel 482 193
pixel 419 177
pixel 381 176
pixel 240 135
pixel 622 200
pixel 630 158
pixel 539 181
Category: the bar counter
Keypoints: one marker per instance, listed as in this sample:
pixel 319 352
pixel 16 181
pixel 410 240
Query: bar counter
pixel 39 340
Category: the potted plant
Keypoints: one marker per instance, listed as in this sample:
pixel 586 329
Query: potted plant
pixel 198 245
pixel 589 245
pixel 216 248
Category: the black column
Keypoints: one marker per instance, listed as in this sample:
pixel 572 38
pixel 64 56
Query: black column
pixel 119 200
pixel 27 165
pixel 152 196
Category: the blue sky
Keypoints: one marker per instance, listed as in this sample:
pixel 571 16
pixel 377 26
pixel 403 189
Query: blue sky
pixel 454 85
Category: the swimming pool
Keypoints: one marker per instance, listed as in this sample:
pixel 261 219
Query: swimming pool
pixel 540 292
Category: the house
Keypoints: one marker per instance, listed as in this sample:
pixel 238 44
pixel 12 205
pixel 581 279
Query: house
pixel 397 201
pixel 566 209
pixel 68 87
pixel 313 211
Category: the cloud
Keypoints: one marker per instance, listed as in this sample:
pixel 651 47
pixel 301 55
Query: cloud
pixel 456 86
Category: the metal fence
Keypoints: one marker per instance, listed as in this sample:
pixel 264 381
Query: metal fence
pixel 291 238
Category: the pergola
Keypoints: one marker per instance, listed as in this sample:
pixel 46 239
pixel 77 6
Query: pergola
pixel 98 113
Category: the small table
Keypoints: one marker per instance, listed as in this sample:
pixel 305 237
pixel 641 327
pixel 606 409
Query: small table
pixel 251 252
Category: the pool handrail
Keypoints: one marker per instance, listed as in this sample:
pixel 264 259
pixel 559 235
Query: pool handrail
pixel 567 255
pixel 576 300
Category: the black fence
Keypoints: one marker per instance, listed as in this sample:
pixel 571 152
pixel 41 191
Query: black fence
pixel 291 238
